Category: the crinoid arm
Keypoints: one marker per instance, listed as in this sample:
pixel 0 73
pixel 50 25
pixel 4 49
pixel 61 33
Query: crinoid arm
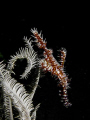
pixel 16 92
pixel 29 54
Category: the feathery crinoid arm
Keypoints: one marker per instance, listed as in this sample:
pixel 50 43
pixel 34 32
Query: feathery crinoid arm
pixel 33 114
pixel 7 100
pixel 7 106
pixel 16 91
pixel 29 54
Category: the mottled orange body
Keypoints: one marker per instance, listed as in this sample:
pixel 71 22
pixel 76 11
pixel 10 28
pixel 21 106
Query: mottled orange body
pixel 50 64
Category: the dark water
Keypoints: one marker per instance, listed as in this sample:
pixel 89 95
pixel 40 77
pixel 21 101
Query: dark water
pixel 70 32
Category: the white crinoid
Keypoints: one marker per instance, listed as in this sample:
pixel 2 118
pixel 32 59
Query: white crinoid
pixel 15 93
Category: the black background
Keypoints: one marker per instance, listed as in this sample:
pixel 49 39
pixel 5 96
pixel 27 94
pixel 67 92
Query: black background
pixel 62 27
